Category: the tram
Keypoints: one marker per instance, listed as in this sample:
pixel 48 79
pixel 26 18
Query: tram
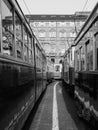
pixel 22 67
pixel 50 71
pixel 68 70
pixel 80 69
pixel 86 69
pixel 57 71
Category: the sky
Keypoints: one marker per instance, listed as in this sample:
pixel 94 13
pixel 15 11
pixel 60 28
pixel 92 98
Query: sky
pixel 56 6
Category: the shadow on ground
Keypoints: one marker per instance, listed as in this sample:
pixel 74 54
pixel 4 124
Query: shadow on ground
pixel 70 105
pixel 32 114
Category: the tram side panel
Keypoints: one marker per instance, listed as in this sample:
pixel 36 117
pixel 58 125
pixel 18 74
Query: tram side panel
pixel 15 92
pixel 15 74
pixel 50 71
pixel 44 73
pixel 38 72
pixel 68 69
pixel 86 69
pixel 17 67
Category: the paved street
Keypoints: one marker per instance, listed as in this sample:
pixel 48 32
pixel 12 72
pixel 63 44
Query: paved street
pixel 60 117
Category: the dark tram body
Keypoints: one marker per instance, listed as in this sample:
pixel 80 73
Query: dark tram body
pixel 50 71
pixel 68 70
pixel 86 68
pixel 84 71
pixel 22 67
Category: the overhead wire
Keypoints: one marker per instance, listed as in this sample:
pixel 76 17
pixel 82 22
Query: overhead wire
pixel 81 11
pixel 26 7
pixel 84 5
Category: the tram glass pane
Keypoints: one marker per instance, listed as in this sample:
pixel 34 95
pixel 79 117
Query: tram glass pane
pixel 18 28
pixel 30 56
pixel 96 44
pixel 77 60
pixel 57 68
pixel 30 42
pixel 25 52
pixel 82 58
pixel 0 26
pixel 7 27
pixel 89 48
pixel 25 44
pixel 30 48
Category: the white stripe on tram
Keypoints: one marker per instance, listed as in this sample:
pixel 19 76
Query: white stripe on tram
pixel 55 123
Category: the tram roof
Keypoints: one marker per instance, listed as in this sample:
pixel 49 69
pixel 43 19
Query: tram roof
pixel 76 16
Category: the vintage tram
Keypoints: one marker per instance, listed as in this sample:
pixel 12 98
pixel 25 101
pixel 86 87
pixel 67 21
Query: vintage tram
pixel 22 67
pixel 80 69
pixel 57 71
pixel 86 69
pixel 50 71
pixel 68 70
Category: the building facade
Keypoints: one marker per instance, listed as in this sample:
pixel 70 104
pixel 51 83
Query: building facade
pixel 56 33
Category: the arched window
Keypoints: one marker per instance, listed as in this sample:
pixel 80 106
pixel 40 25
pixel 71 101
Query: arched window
pixel 62 33
pixel 52 33
pixel 60 61
pixel 42 33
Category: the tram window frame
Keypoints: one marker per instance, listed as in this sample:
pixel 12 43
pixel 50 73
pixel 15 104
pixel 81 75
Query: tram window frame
pixel 96 51
pixel 71 54
pixel 77 60
pixel 82 59
pixel 8 48
pixel 40 59
pixel 0 28
pixel 88 56
pixel 33 50
pixel 69 57
pixel 19 39
pixel 30 47
pixel 25 40
pixel 37 56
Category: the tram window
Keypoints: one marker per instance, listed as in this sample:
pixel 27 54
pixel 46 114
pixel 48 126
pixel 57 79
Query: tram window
pixel 57 68
pixel 25 52
pixel 82 53
pixel 97 59
pixel 0 26
pixel 65 64
pixel 18 28
pixel 30 48
pixel 25 44
pixel 30 56
pixel 32 40
pixel 53 60
pixel 38 56
pixel 36 51
pixel 71 54
pixel 7 27
pixel 96 45
pixel 89 55
pixel 77 57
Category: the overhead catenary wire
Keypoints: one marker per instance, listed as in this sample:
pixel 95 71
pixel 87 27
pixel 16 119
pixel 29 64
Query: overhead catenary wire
pixel 26 7
pixel 81 11
pixel 84 5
